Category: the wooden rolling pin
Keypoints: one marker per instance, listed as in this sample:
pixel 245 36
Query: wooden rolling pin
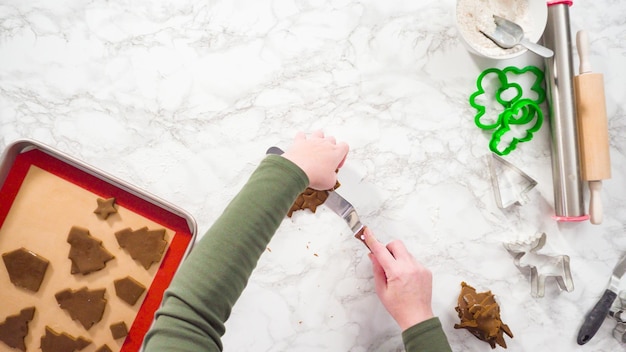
pixel 593 128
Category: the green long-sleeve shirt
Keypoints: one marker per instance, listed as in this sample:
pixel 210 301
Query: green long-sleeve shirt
pixel 211 279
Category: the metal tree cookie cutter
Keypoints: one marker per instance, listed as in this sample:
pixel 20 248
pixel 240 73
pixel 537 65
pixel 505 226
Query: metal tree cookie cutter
pixel 510 184
pixel 518 115
pixel 526 254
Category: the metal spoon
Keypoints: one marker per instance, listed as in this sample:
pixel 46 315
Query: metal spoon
pixel 509 34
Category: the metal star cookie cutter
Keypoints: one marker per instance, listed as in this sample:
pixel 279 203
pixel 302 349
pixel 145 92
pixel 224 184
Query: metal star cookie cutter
pixel 526 254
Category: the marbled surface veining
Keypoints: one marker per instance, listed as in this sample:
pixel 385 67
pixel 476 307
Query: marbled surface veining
pixel 182 98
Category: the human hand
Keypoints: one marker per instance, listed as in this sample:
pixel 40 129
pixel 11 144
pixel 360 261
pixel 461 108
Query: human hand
pixel 403 285
pixel 319 157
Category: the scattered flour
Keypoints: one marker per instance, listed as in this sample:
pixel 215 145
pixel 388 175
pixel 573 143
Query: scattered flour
pixel 476 15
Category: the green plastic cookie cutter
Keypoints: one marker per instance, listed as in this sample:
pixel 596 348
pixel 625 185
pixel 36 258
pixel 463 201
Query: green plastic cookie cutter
pixel 516 108
pixel 531 119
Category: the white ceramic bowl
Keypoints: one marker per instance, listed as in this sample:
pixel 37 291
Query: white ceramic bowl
pixel 474 15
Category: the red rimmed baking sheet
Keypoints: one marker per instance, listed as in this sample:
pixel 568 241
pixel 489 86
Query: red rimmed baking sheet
pixel 179 244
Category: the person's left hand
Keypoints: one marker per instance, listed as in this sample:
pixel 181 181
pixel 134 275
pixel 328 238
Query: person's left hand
pixel 319 157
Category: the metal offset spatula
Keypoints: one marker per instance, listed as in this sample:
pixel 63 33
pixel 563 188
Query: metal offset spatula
pixel 509 34
pixel 595 317
pixel 339 205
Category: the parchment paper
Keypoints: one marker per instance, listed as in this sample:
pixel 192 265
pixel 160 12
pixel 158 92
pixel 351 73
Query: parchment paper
pixel 45 209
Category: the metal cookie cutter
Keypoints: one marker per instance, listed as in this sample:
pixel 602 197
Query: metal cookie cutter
pixel 510 184
pixel 542 266
pixel 618 312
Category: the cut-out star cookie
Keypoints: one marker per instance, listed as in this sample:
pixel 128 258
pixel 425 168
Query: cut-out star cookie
pixel 105 208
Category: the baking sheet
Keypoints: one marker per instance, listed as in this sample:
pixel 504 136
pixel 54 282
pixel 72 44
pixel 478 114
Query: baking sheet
pixel 40 200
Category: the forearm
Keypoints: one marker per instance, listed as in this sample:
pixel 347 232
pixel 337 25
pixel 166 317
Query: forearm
pixel 209 282
pixel 427 336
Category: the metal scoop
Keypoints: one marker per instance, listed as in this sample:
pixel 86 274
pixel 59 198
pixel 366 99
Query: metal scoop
pixel 509 34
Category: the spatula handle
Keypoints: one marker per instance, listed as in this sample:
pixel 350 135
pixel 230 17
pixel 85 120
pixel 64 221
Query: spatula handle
pixel 537 48
pixel 596 317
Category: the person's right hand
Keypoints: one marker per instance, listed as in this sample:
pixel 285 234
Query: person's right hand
pixel 319 157
pixel 403 285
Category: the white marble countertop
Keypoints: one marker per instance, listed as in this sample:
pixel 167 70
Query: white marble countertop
pixel 182 98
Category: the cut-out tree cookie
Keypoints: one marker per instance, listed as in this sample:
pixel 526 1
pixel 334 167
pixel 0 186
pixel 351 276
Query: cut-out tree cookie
pixel 105 208
pixel 53 341
pixel 145 246
pixel 26 269
pixel 128 289
pixel 86 253
pixel 480 315
pixel 15 328
pixel 83 305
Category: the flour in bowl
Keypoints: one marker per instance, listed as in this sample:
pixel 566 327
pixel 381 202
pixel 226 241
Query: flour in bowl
pixel 476 15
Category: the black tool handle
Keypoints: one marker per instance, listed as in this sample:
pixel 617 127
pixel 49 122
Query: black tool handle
pixel 595 318
pixel 274 150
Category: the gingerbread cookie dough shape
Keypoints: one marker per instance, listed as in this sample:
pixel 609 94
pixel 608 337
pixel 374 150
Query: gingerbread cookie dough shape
pixel 128 289
pixel 480 315
pixel 53 341
pixel 118 330
pixel 26 269
pixel 145 246
pixel 310 199
pixel 15 328
pixel 83 305
pixel 86 253
pixel 104 348
pixel 105 208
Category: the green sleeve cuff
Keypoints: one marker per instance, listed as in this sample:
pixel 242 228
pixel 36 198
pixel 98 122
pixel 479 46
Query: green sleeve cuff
pixel 291 169
pixel 427 336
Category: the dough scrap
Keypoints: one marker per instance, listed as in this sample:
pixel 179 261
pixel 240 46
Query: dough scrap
pixel 128 289
pixel 480 315
pixel 26 269
pixel 104 348
pixel 118 330
pixel 310 199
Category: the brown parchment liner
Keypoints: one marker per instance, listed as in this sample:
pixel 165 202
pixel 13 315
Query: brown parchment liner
pixel 44 210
